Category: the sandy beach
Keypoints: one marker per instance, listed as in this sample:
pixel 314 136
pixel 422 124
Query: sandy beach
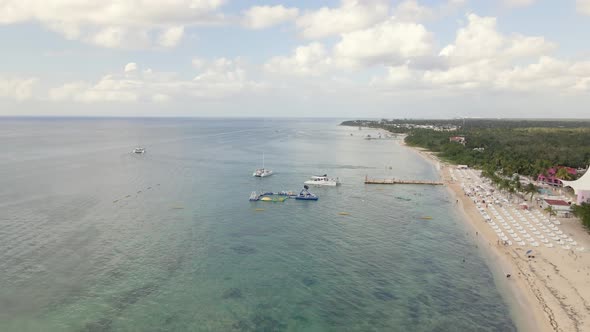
pixel 549 291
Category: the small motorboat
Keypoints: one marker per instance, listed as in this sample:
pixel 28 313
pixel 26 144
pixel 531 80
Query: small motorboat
pixel 305 195
pixel 323 180
pixel 139 150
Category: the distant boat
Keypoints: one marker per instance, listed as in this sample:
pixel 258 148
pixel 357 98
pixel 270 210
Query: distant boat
pixel 262 172
pixel 139 150
pixel 323 180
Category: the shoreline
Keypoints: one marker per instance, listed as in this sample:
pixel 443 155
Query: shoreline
pixel 548 293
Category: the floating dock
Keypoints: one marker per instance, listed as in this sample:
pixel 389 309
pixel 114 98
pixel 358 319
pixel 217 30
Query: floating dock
pixel 399 181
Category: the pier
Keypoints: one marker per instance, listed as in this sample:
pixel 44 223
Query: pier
pixel 399 181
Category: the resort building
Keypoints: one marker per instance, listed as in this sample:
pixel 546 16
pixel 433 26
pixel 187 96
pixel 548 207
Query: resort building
pixel 551 179
pixel 581 188
pixel 562 208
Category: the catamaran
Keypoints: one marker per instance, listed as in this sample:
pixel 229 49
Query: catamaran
pixel 262 172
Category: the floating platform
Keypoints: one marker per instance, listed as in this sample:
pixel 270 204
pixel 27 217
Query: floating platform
pixel 399 181
pixel 281 196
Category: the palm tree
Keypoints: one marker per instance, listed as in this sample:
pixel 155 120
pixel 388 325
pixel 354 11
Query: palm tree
pixel 531 189
pixel 550 210
pixel 563 174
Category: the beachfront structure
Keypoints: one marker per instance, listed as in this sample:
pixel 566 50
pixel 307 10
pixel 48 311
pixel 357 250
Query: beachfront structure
pixel 561 207
pixel 551 179
pixel 458 139
pixel 581 188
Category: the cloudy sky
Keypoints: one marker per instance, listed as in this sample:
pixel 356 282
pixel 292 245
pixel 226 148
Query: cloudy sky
pixel 347 58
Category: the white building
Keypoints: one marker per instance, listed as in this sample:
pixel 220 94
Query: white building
pixel 562 208
pixel 581 188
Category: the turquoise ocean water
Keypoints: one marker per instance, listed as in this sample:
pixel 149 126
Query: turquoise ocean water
pixel 94 238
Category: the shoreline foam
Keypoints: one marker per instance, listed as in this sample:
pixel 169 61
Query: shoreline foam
pixel 548 293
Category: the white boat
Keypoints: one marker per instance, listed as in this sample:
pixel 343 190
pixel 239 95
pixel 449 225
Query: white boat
pixel 139 150
pixel 323 180
pixel 262 172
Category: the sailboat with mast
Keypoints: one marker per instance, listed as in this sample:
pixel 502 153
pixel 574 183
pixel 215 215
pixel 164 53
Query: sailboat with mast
pixel 262 172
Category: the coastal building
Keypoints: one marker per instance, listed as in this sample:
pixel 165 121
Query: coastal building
pixel 562 208
pixel 550 178
pixel 581 188
pixel 458 139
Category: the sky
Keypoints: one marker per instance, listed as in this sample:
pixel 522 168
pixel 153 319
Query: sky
pixel 286 58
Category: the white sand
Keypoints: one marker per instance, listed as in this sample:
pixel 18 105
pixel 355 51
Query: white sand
pixel 550 292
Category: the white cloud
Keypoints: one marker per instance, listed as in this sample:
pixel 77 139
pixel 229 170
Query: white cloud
pixel 391 41
pixel 260 17
pixel 19 89
pixel 483 59
pixel 130 67
pixel 351 15
pixel 388 41
pixel 411 10
pixel 114 23
pixel 171 36
pixel 583 6
pixel 198 63
pixel 220 78
pixel 308 60
pixel 518 3
pixel 160 98
pixel 480 39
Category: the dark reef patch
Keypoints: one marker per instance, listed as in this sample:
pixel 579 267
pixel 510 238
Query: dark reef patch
pixel 384 295
pixel 244 250
pixel 309 281
pixel 232 293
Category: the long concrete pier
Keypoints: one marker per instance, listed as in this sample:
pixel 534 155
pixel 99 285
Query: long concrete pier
pixel 399 181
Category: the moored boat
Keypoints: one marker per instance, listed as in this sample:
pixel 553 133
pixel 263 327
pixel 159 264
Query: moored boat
pixel 262 172
pixel 323 180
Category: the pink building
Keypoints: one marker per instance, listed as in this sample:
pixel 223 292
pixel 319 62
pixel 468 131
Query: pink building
pixel 550 178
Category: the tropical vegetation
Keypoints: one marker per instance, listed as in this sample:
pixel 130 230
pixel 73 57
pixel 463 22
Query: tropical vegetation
pixel 583 212
pixel 503 149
